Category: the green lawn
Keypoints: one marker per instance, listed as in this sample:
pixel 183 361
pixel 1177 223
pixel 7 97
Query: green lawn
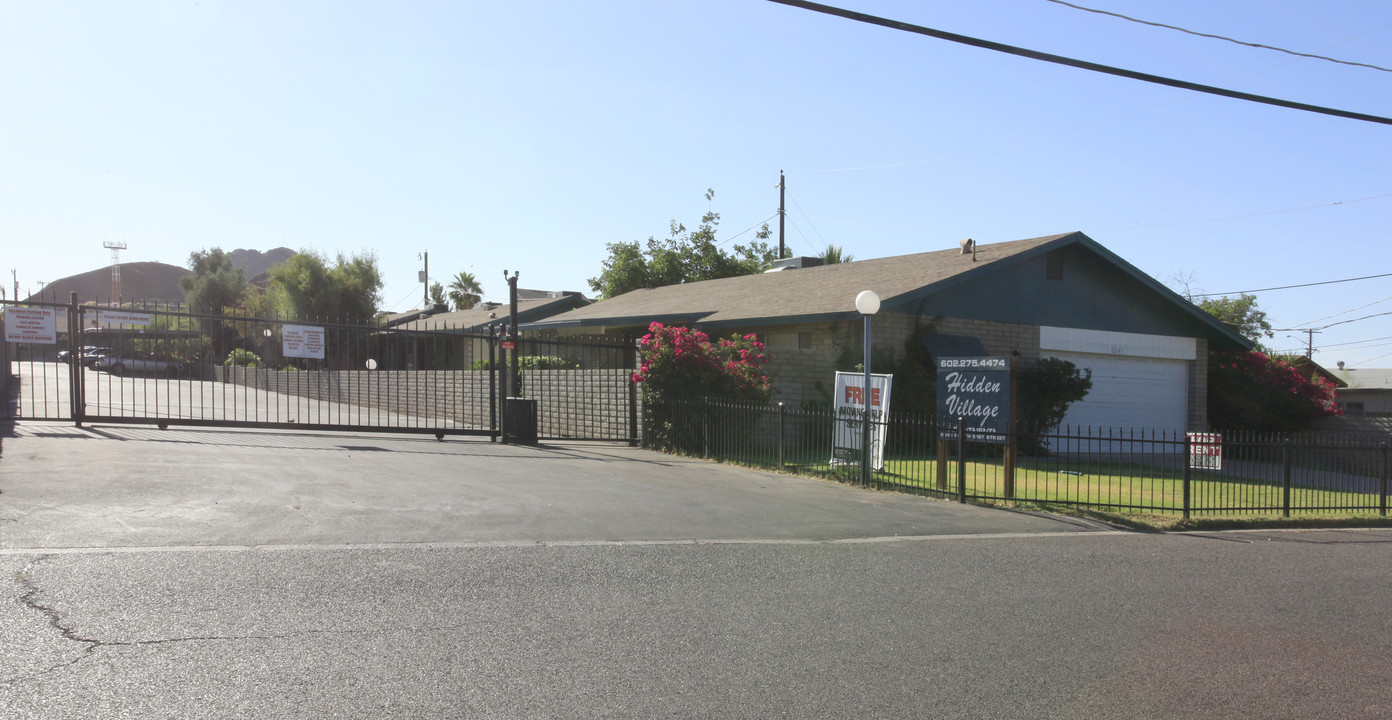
pixel 1119 488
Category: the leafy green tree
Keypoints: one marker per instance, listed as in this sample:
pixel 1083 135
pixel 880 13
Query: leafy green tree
pixel 437 294
pixel 216 287
pixel 216 283
pixel 684 256
pixel 306 286
pixel 1242 315
pixel 465 291
pixel 834 255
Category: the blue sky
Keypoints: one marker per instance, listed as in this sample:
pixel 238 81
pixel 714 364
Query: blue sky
pixel 525 136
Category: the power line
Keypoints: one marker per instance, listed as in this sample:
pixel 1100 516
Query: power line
pixel 1250 215
pixel 1222 37
pixel 751 227
pixel 809 218
pixel 1345 312
pixel 1345 322
pixel 1081 64
pixel 1289 287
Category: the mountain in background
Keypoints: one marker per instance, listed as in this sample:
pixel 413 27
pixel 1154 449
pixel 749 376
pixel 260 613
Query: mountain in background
pixel 257 263
pixel 153 282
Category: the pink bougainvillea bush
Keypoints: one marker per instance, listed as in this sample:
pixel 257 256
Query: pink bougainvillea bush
pixel 680 363
pixel 681 367
pixel 1252 391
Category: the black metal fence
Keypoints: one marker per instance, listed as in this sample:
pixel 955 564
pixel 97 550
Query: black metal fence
pixel 1230 474
pixel 165 366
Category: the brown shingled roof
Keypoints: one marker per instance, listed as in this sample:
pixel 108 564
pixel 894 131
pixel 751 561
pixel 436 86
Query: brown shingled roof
pixel 789 295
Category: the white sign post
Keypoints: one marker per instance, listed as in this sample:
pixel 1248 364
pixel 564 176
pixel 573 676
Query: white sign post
pixel 31 325
pixel 303 341
pixel 850 408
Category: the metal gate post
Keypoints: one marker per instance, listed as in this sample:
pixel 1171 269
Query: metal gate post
pixel 1188 471
pixel 76 379
pixel 961 460
pixel 632 412
pixel 1286 482
pixel 494 366
pixel 780 436
pixel 705 428
pixel 1382 491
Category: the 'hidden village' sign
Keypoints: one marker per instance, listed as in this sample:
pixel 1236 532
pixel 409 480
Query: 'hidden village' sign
pixel 976 390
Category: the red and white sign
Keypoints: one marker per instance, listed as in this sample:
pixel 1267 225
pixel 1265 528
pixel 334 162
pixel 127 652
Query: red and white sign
pixel 848 431
pixel 509 345
pixel 303 341
pixel 1206 451
pixel 31 325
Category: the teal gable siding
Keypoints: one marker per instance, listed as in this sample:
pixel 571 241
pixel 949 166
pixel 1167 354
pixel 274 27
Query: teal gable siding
pixel 1093 294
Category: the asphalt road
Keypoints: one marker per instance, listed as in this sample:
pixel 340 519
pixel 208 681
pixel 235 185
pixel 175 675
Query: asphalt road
pixel 497 581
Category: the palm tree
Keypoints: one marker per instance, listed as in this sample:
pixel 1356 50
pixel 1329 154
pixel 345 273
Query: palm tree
pixel 833 255
pixel 465 291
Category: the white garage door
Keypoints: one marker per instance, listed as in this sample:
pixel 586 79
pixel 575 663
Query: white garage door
pixel 1131 392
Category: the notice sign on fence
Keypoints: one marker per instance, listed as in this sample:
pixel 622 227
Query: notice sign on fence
pixel 1206 451
pixel 303 341
pixel 977 390
pixel 31 325
pixel 122 317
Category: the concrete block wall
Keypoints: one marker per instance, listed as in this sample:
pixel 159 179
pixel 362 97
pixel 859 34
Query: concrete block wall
pixel 570 403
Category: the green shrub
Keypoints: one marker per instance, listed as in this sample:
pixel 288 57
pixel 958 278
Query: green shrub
pixel 530 362
pixel 1253 391
pixel 243 357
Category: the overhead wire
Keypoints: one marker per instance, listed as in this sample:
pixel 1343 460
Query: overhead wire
pixel 1225 38
pixel 808 217
pixel 1084 126
pixel 1080 64
pixel 1251 215
pixel 751 227
pixel 1291 287
pixel 1345 312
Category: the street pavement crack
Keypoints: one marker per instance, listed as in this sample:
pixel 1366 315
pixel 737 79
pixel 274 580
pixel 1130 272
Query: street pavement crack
pixel 32 599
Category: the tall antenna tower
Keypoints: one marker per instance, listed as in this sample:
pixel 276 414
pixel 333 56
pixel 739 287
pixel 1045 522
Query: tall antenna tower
pixel 115 247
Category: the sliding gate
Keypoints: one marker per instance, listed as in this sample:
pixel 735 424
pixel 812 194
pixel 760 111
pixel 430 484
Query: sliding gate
pixel 158 366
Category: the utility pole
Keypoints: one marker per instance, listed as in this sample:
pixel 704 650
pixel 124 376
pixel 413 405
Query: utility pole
pixel 425 282
pixel 782 187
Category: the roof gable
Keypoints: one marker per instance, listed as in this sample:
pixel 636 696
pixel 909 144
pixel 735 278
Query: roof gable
pixel 904 282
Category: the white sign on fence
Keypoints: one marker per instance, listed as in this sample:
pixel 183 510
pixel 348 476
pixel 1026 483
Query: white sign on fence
pixel 122 317
pixel 847 431
pixel 1206 451
pixel 31 325
pixel 303 341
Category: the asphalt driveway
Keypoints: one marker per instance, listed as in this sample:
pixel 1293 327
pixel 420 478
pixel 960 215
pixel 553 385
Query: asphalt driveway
pixel 129 486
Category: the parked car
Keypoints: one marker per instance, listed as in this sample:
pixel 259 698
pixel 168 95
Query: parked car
pixel 139 364
pixel 89 355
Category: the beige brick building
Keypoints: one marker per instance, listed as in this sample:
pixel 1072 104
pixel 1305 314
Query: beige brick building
pixel 1060 296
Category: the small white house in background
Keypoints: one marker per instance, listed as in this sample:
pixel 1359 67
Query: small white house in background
pixel 1368 391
